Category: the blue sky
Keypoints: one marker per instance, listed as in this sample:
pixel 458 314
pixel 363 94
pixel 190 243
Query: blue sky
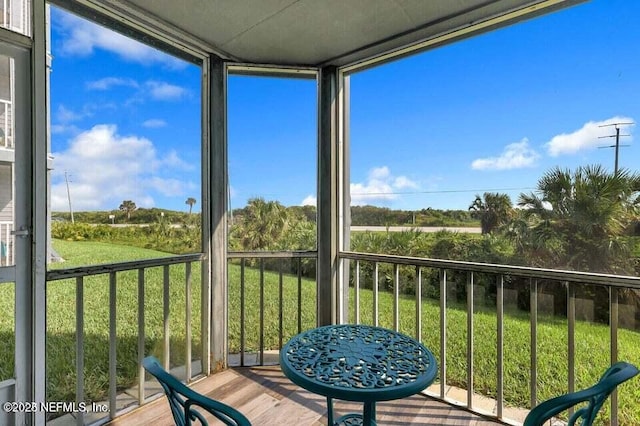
pixel 489 113
pixel 125 121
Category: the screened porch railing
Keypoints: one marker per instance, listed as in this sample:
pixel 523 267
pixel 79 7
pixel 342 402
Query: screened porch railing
pixel 112 273
pixel 394 270
pixel 272 296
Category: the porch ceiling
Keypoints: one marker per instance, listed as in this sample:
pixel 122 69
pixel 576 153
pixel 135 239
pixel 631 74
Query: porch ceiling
pixel 328 32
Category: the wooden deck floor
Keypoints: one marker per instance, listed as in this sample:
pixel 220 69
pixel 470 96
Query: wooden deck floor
pixel 268 398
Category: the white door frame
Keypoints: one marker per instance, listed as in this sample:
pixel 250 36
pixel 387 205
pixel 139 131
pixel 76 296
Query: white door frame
pixel 20 387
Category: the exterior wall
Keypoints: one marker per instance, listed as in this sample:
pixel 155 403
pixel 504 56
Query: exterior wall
pixel 6 119
pixel 6 146
pixel 15 16
pixel 6 194
pixel 6 214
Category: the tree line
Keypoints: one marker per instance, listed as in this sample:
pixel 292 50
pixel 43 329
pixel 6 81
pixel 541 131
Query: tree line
pixel 586 220
pixel 128 213
pixel 582 220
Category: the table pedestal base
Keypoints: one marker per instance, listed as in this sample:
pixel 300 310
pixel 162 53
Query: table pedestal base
pixel 352 420
pixel 368 418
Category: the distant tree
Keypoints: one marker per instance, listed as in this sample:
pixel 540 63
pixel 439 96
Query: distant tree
pixel 263 223
pixel 128 207
pixel 580 220
pixel 190 201
pixel 492 209
pixel 309 212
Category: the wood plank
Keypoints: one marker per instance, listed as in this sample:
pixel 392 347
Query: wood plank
pixel 289 411
pixel 156 413
pixel 267 397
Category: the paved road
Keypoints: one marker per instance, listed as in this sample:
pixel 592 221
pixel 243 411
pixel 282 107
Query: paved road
pixel 461 229
pixel 141 225
pixel 419 228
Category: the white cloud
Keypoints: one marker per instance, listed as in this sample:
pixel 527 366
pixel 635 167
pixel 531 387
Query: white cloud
pixel 381 186
pixel 154 123
pixel 379 173
pixel 514 156
pixel 66 115
pixel 81 37
pixel 109 82
pixel 58 129
pixel 309 200
pixel 167 187
pixel 402 182
pixel 173 160
pixel 162 91
pixel 587 137
pixel 106 168
pixel 157 91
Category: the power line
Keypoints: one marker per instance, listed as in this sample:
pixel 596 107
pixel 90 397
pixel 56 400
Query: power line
pixel 443 191
pixel 617 144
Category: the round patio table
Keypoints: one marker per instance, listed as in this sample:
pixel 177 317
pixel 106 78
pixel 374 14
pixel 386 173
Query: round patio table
pixel 358 363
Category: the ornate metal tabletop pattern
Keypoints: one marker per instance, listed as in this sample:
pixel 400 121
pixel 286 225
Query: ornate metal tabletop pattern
pixel 358 363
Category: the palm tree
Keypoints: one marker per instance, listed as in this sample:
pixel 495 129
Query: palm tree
pixel 263 223
pixel 190 201
pixel 578 220
pixel 493 209
pixel 128 206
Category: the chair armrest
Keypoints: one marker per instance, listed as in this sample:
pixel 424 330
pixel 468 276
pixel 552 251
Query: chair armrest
pixel 223 412
pixel 595 395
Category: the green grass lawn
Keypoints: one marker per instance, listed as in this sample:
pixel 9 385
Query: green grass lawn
pixel 61 317
pixel 592 340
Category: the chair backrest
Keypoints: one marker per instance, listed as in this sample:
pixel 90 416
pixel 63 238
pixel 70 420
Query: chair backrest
pixel 593 396
pixel 182 400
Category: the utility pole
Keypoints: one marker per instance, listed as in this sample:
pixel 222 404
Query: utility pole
pixel 617 145
pixel 66 179
pixel 229 205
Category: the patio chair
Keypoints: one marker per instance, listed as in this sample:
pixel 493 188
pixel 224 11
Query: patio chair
pixel 184 400
pixel 594 396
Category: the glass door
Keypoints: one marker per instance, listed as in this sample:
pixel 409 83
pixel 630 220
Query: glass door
pixel 15 231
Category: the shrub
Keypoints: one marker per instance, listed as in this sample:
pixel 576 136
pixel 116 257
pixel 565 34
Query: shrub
pixel 80 231
pixel 440 245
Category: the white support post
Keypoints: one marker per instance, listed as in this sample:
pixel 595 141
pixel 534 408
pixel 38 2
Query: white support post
pixel 327 197
pixel 344 195
pixel 218 184
pixel 205 221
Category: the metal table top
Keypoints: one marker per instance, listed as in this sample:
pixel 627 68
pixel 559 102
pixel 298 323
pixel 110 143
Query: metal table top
pixel 358 363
